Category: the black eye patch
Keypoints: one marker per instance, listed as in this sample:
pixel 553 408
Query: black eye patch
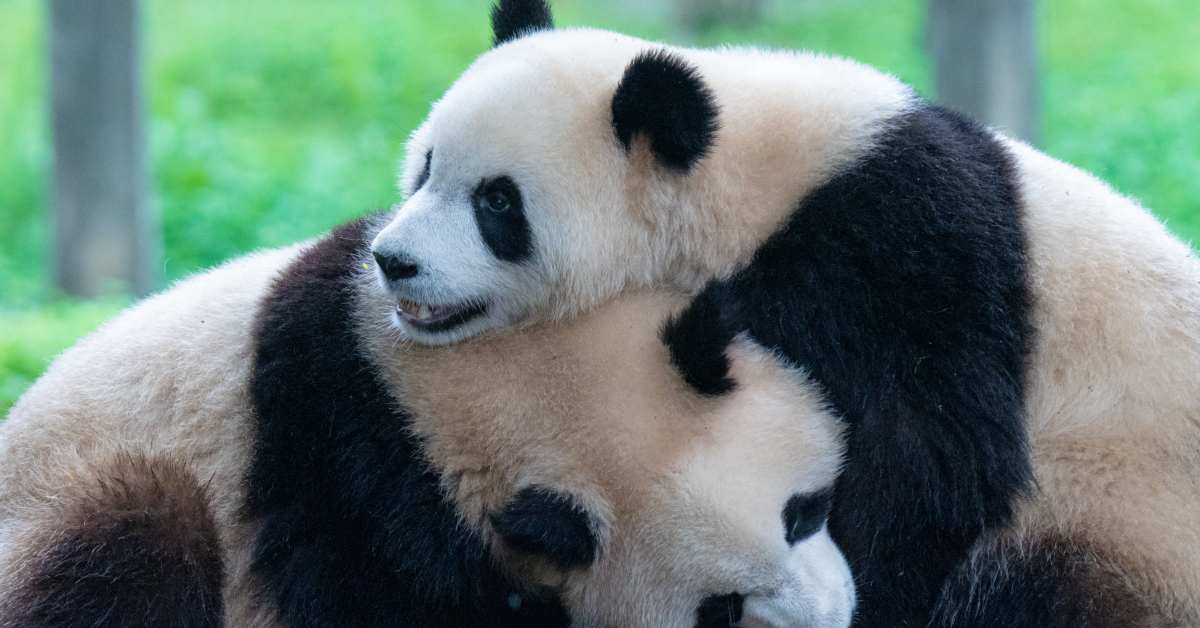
pixel 803 515
pixel 424 176
pixel 500 214
pixel 720 611
pixel 547 523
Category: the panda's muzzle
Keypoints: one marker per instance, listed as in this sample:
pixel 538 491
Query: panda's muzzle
pixel 437 318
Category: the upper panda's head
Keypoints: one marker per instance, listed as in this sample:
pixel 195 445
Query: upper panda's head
pixel 566 165
pixel 514 182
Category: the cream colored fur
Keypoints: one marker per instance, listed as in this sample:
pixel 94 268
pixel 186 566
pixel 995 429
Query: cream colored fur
pixel 1114 395
pixel 168 378
pixel 539 111
pixel 1114 400
pixel 689 490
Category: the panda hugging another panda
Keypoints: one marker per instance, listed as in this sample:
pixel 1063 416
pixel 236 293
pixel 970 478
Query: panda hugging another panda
pixel 660 337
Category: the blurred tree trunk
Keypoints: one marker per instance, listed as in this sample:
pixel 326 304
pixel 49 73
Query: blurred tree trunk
pixel 701 15
pixel 985 53
pixel 104 231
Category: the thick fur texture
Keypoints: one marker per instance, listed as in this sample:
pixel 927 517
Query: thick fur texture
pixel 1056 583
pixel 542 522
pixel 355 531
pixel 605 220
pixel 164 383
pixel 921 346
pixel 1015 347
pixel 134 545
pixel 665 99
pixel 514 18
pixel 682 492
pixel 697 339
pixel 392 480
pixel 980 313
pixel 354 478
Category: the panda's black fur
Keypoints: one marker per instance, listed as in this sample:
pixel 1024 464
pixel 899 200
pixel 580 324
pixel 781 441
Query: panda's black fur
pixel 511 20
pixel 900 285
pixel 136 547
pixel 356 531
pixel 1060 583
pixel 664 98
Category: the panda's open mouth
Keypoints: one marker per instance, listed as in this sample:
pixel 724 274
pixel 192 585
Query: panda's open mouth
pixel 435 318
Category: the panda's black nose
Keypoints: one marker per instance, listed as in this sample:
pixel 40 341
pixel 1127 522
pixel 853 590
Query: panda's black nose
pixel 396 267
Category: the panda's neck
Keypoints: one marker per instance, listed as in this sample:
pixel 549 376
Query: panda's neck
pixel 777 142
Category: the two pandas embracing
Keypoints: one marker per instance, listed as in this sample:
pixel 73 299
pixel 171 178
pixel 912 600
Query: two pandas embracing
pixel 660 337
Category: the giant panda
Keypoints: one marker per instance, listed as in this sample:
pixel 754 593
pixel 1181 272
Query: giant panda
pixel 263 445
pixel 1013 346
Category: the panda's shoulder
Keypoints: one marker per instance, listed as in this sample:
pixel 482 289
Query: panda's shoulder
pixel 337 473
pixel 192 335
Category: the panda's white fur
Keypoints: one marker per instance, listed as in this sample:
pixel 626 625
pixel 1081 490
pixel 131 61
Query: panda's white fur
pixel 1111 402
pixel 164 380
pixel 600 220
pixel 687 490
pixel 683 493
pixel 1111 420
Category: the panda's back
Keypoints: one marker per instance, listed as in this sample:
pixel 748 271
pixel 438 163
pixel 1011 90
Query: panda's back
pixel 155 401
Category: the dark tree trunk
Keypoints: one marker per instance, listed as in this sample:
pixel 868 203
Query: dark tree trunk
pixel 105 233
pixel 985 54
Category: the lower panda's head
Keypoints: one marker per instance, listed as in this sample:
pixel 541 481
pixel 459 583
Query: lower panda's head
pixel 593 469
pixel 545 180
pixel 731 531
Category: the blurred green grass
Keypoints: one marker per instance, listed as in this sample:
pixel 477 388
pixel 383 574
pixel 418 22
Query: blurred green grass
pixel 273 120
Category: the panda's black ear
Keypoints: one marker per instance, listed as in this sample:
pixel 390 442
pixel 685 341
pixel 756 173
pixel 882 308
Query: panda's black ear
pixel 664 98
pixel 513 18
pixel 697 339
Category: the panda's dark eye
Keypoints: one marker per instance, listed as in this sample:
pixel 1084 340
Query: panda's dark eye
pixel 497 201
pixel 500 215
pixel 497 196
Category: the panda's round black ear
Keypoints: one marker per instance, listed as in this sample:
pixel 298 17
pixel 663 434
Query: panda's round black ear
pixel 664 98
pixel 513 18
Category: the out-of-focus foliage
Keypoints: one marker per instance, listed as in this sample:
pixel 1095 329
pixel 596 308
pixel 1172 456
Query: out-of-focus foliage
pixel 272 120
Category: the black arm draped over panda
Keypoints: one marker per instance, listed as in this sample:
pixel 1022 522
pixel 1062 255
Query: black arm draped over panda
pixel 900 285
pixel 355 529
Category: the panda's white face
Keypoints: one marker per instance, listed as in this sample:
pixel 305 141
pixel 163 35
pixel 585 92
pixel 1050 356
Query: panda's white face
pixel 733 531
pixel 505 219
